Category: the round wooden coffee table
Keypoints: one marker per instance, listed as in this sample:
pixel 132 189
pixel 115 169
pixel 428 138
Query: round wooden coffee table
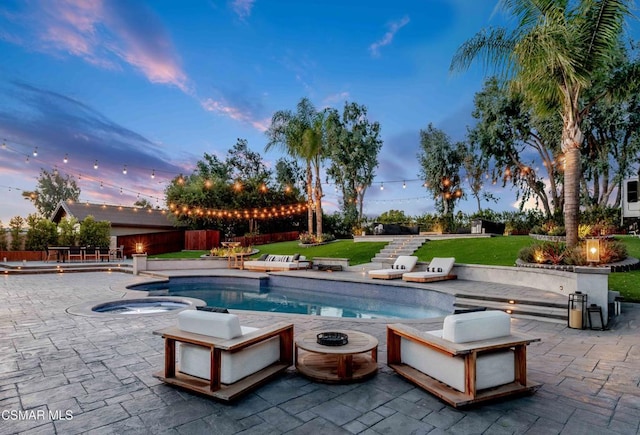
pixel 354 361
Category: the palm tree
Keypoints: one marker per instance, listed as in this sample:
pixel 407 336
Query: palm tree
pixel 552 56
pixel 300 135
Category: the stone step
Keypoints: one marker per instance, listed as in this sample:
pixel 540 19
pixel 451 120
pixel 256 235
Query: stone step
pixel 519 309
pixel 399 246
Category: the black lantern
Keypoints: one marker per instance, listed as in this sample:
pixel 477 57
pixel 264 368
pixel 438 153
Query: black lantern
pixel 576 309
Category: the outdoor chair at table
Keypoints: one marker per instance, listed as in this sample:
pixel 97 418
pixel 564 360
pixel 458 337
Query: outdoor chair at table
pixel 76 253
pixel 50 254
pixel 103 254
pixel 90 253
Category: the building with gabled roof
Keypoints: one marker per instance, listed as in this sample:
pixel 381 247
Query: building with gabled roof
pixel 124 220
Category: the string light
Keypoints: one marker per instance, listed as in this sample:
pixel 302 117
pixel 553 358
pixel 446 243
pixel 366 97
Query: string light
pixel 95 165
pixel 153 173
pixel 66 158
pixel 124 170
pixel 381 186
pixel 35 152
pixel 404 184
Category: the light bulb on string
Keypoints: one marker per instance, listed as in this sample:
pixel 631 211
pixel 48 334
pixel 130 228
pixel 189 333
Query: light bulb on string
pixel 404 184
pixel 95 165
pixel 35 152
pixel 124 170
pixel 153 173
pixel 66 158
pixel 381 186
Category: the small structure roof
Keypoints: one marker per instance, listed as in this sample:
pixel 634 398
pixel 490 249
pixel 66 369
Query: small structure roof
pixel 119 216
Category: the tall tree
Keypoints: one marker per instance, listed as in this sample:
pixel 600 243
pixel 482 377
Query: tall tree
pixel 523 146
pixel 612 145
pixel 300 135
pixel 51 189
pixel 552 56
pixel 440 163
pixel 476 166
pixel 353 144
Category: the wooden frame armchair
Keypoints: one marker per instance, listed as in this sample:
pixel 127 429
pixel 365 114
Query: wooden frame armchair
pixel 475 358
pixel 224 367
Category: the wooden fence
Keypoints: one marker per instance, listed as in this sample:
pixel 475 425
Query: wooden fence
pixel 153 243
pixel 201 240
pixel 22 255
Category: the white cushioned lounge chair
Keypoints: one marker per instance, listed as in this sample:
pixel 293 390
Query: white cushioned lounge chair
pixel 439 269
pixel 474 358
pixel 267 263
pixel 222 359
pixel 404 263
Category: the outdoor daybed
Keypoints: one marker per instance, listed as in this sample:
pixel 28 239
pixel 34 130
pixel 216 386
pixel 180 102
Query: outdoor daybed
pixel 220 358
pixel 474 358
pixel 267 263
pixel 439 269
pixel 404 263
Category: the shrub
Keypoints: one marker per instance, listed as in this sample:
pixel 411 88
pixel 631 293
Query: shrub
pixel 576 256
pixel 553 252
pixel 306 238
pixel 94 233
pixel 584 230
pixel 612 251
pixel 41 233
pixel 15 229
pixel 537 229
pixel 527 254
pixel 557 231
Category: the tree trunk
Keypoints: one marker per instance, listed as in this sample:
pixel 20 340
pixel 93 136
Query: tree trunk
pixel 318 198
pixel 309 198
pixel 572 194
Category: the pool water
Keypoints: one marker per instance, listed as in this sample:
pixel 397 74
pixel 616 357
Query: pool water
pixel 250 296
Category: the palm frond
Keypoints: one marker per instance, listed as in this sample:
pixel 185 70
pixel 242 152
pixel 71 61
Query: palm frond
pixel 599 27
pixel 494 45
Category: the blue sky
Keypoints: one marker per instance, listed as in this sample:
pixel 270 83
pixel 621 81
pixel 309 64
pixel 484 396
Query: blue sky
pixel 154 85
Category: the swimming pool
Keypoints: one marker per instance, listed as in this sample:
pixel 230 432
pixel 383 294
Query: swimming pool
pixel 305 296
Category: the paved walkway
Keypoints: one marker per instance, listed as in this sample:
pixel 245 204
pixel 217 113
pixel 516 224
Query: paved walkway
pixel 97 370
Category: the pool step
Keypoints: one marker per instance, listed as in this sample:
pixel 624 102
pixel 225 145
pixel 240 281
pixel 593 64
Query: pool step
pixel 539 310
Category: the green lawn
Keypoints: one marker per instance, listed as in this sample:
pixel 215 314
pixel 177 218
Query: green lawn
pixel 500 251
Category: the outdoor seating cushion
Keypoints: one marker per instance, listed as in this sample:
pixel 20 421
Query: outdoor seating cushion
pixel 284 262
pixel 438 266
pixel 220 325
pixel 196 360
pixel 475 326
pixel 404 263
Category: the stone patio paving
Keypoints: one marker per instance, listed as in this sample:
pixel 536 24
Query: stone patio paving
pixel 99 369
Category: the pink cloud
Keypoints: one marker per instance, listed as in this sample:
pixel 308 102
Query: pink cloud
pixel 235 113
pixel 106 33
pixel 394 27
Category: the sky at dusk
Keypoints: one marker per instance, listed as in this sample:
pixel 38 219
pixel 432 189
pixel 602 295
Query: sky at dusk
pixel 153 85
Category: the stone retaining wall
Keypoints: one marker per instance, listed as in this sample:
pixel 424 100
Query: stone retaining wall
pixel 593 281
